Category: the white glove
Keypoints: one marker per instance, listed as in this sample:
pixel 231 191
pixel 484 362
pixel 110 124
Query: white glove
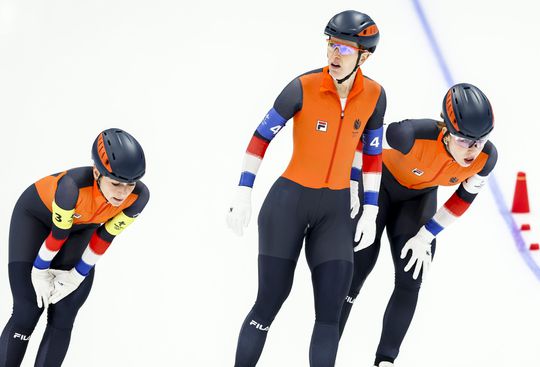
pixel 239 212
pixel 42 280
pixel 355 200
pixel 420 245
pixel 366 227
pixel 65 282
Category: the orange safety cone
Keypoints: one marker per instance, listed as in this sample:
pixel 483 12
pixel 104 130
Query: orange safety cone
pixel 521 197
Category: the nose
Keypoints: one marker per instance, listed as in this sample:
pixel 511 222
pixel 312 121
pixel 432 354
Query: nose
pixel 335 51
pixel 124 190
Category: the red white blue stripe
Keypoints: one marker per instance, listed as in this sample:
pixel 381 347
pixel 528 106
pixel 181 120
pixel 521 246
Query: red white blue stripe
pixel 48 251
pixel 370 163
pixel 456 205
pixel 95 249
pixel 267 129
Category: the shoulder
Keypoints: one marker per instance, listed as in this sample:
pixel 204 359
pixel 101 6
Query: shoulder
pixel 80 177
pixel 142 192
pixel 142 196
pixel 373 85
pixel 312 74
pixel 402 135
pixel 491 151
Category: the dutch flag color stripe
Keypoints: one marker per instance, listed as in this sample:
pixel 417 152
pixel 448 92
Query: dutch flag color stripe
pixel 434 227
pixel 371 198
pixel 456 205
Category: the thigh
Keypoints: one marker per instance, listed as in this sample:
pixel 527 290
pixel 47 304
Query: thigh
pixel 62 314
pixel 27 231
pixel 331 236
pixel 409 217
pixel 25 309
pixel 281 224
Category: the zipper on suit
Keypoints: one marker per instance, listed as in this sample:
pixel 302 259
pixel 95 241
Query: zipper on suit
pixel 335 143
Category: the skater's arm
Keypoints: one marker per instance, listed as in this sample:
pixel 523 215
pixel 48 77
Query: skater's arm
pixel 107 232
pixel 463 197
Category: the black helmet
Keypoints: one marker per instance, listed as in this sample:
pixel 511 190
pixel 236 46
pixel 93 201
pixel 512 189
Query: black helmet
pixel 119 156
pixel 354 26
pixel 467 112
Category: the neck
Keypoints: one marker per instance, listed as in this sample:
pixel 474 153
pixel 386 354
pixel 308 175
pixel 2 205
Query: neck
pixel 344 88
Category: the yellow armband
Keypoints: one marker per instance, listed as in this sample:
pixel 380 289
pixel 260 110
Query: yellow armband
pixel 118 223
pixel 62 218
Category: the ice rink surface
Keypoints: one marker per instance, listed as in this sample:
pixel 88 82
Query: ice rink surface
pixel 192 80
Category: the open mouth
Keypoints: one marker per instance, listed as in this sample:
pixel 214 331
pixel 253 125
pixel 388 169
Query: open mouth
pixel 468 160
pixel 335 65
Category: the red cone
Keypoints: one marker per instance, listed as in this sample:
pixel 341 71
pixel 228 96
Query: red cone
pixel 521 197
pixel 534 247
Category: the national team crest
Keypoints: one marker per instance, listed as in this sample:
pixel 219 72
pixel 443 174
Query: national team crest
pixel 357 124
pixel 453 180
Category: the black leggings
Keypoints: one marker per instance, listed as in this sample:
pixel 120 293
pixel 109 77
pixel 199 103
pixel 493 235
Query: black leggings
pixel 289 214
pixel 402 212
pixel 30 225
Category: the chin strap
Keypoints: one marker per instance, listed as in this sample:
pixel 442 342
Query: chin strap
pixel 98 179
pixel 352 72
pixel 445 138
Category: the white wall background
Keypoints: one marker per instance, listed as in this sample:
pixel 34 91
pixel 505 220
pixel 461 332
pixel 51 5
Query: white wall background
pixel 192 80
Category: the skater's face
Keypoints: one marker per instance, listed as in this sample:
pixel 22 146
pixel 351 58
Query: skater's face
pixel 114 191
pixel 464 151
pixel 342 56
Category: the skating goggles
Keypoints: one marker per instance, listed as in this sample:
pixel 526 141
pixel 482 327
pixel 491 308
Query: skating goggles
pixel 469 143
pixel 343 49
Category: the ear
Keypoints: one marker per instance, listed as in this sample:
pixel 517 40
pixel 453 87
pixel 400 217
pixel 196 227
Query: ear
pixel 363 57
pixel 95 172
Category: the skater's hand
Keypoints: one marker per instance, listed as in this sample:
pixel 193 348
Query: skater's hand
pixel 42 280
pixel 65 282
pixel 420 245
pixel 366 227
pixel 239 212
pixel 355 200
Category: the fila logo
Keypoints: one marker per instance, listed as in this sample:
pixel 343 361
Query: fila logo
pixel 349 299
pixel 418 172
pixel 21 336
pixel 258 326
pixel 322 125
pixel 76 216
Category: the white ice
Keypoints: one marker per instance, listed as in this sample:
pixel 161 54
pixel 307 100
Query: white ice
pixel 192 80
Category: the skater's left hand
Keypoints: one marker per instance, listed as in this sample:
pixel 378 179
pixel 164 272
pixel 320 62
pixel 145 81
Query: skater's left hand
pixel 65 282
pixel 420 245
pixel 366 227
